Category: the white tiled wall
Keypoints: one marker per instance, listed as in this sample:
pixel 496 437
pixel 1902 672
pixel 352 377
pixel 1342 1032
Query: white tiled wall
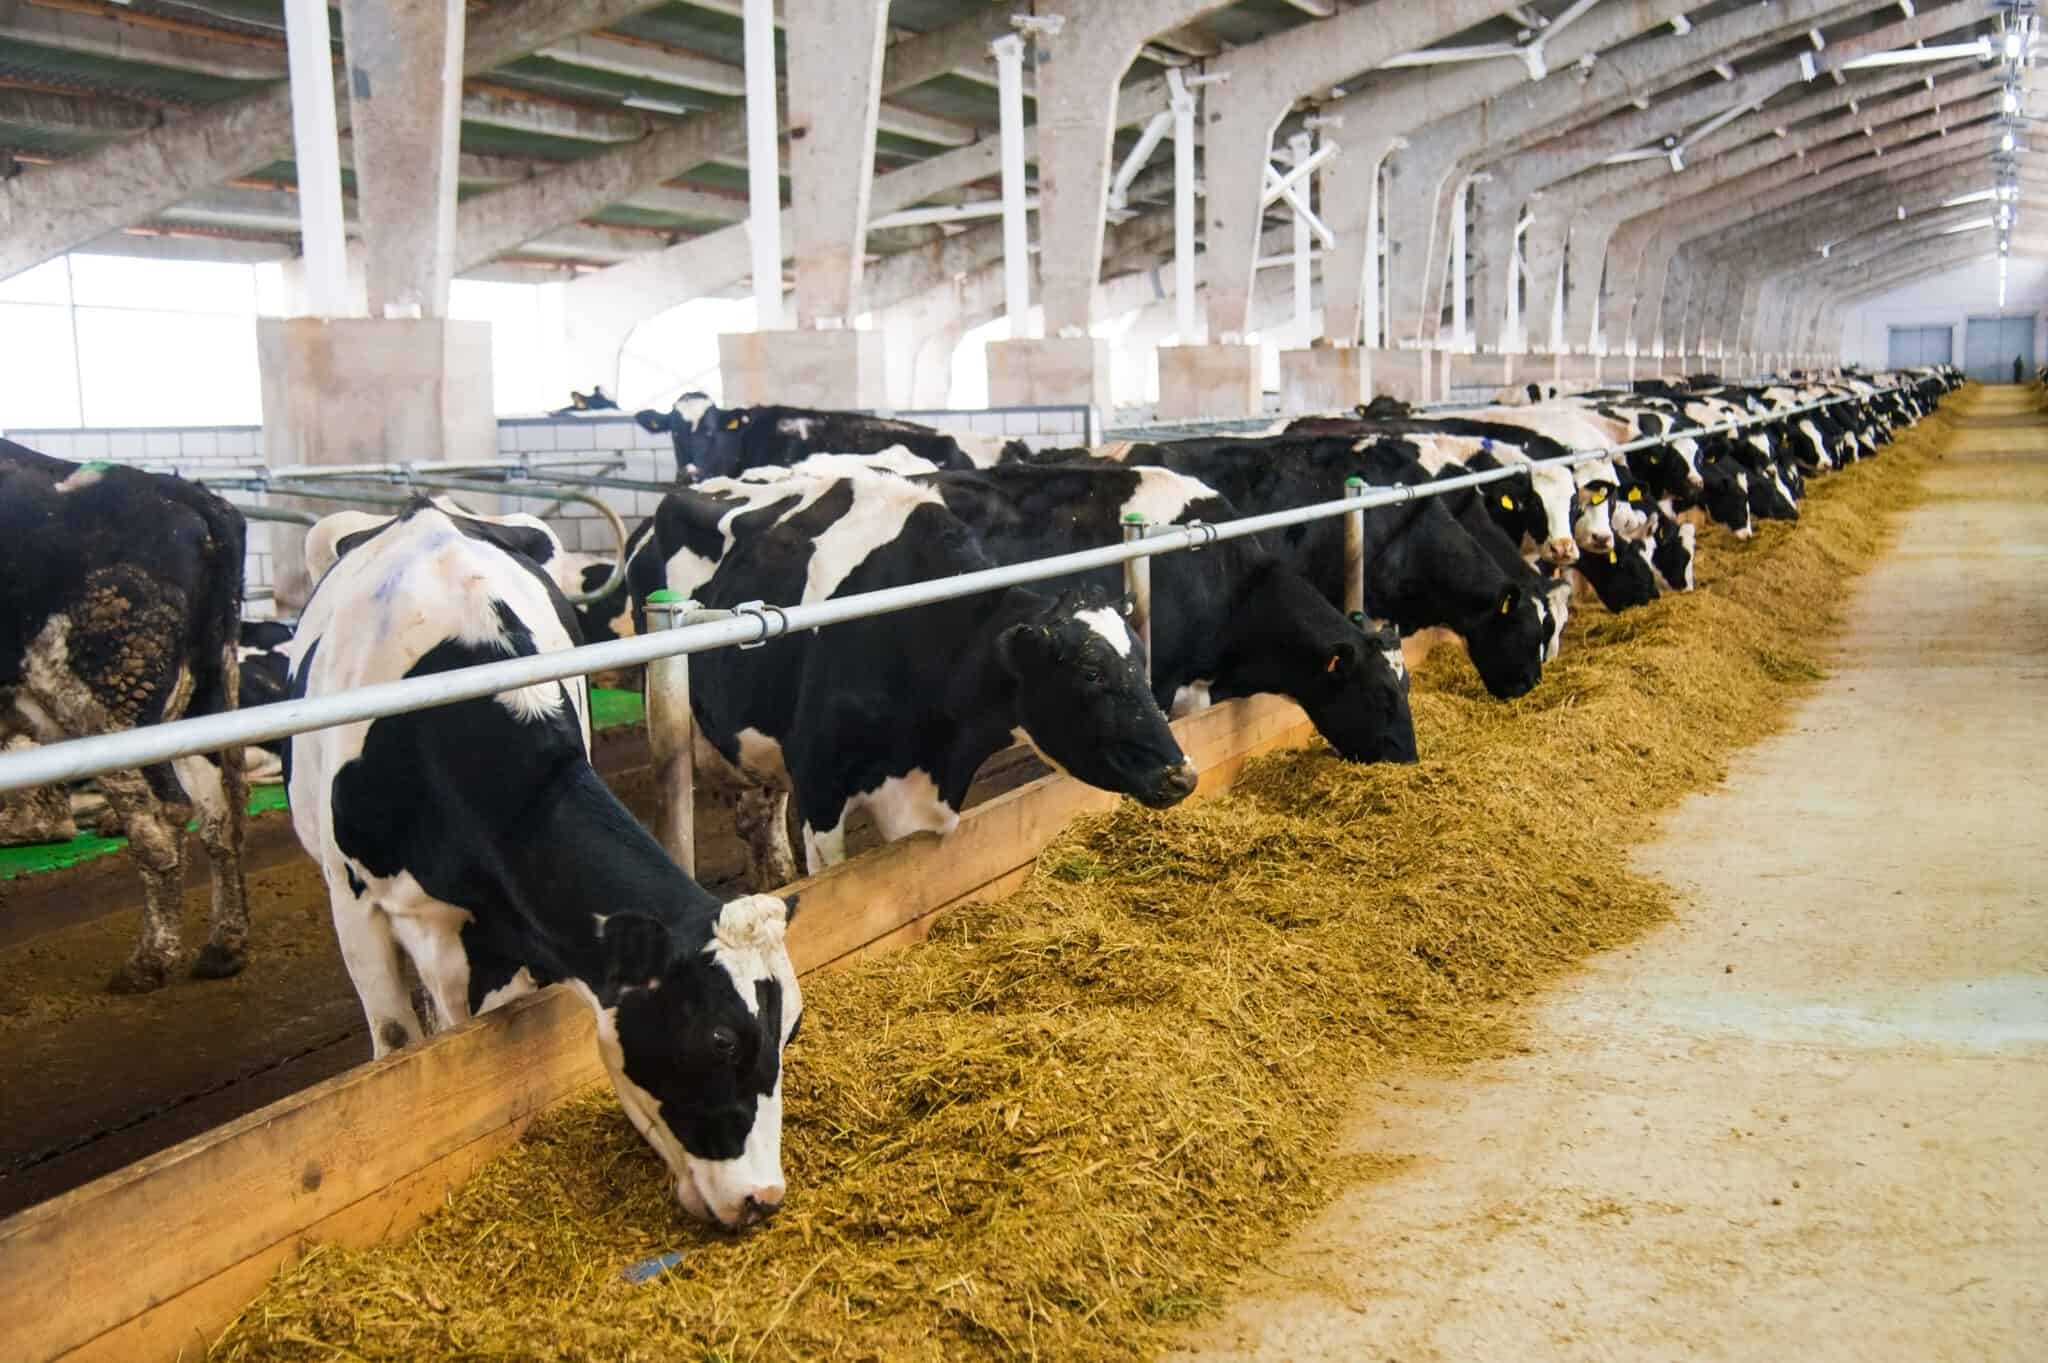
pixel 1038 427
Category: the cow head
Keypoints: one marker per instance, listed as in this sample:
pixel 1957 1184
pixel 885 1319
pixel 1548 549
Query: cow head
pixel 1084 700
pixel 706 439
pixel 1667 469
pixel 1726 495
pixel 1507 643
pixel 1346 673
pixel 1672 554
pixel 693 1040
pixel 1593 525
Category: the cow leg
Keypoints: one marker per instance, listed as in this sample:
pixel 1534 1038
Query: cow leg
pixel 370 952
pixel 227 947
pixel 431 934
pixel 761 818
pixel 157 846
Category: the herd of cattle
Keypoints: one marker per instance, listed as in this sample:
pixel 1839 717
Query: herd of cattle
pixel 478 838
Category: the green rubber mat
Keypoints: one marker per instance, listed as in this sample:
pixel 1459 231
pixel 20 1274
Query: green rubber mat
pixel 55 856
pixel 615 709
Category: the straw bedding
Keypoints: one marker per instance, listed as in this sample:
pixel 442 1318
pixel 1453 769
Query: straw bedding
pixel 1070 1118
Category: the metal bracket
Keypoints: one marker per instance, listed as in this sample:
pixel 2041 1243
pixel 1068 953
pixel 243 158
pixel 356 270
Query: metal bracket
pixel 1205 535
pixel 759 611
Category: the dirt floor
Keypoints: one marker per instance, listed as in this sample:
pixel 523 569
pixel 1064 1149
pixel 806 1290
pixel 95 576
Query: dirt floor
pixel 1805 1120
pixel 92 1081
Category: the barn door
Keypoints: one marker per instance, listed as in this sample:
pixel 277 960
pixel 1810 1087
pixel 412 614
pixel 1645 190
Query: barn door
pixel 1912 347
pixel 1992 342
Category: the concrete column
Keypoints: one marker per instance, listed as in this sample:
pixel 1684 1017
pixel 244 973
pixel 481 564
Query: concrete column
pixel 361 391
pixel 1418 178
pixel 1265 80
pixel 1585 264
pixel 1350 209
pixel 1077 104
pixel 405 114
pixel 834 52
pixel 1543 254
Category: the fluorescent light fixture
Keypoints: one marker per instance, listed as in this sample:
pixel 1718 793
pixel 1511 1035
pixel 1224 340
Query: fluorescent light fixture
pixel 2014 45
pixel 1963 200
pixel 1973 225
pixel 655 106
pixel 2006 143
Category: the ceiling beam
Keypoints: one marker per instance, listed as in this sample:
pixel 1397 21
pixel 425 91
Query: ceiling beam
pixel 48 210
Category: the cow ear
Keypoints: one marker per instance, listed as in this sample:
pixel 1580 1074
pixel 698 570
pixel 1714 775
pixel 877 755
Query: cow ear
pixel 658 422
pixel 1024 649
pixel 789 902
pixel 636 951
pixel 1342 658
pixel 1509 599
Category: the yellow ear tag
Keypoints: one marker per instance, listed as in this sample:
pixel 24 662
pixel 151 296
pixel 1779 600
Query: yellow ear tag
pixel 1611 558
pixel 1507 608
pixel 1635 494
pixel 1597 497
pixel 1332 667
pixel 733 425
pixel 1507 503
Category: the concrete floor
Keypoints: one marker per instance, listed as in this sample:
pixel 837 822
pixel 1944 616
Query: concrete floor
pixel 1809 1119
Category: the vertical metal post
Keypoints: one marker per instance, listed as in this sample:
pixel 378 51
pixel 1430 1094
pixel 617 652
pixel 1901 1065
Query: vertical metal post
pixel 1460 204
pixel 672 737
pixel 1184 105
pixel 1009 54
pixel 1138 584
pixel 316 151
pixel 1298 150
pixel 764 164
pixel 1354 550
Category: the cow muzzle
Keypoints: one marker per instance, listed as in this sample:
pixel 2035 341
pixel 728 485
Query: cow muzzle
pixel 1174 785
pixel 1561 549
pixel 1695 483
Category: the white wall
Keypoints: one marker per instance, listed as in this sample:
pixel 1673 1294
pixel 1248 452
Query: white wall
pixel 1969 291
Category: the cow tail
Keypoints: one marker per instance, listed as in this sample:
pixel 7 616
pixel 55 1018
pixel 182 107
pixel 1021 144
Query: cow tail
pixel 219 617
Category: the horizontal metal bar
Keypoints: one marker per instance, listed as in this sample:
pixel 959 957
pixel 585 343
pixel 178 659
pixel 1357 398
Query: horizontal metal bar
pixel 78 758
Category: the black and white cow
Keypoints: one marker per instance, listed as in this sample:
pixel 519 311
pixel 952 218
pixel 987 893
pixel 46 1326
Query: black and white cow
pixel 477 837
pixel 120 602
pixel 1229 621
pixel 894 713
pixel 608 616
pixel 1423 571
pixel 715 442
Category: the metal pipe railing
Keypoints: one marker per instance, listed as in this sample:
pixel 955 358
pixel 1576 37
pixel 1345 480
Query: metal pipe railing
pixel 745 625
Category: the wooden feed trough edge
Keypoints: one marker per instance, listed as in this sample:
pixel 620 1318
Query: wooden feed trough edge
pixel 151 1261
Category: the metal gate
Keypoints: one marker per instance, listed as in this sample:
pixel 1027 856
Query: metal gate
pixel 1991 344
pixel 1912 347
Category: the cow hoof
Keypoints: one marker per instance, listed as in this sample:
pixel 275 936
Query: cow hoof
pixel 137 977
pixel 216 962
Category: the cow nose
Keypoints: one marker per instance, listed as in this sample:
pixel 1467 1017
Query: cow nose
pixel 1182 780
pixel 1695 483
pixel 761 1204
pixel 1600 542
pixel 1564 550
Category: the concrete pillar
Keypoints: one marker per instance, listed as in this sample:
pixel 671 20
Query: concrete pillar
pixel 1543 255
pixel 1350 209
pixel 1077 99
pixel 363 391
pixel 1265 79
pixel 1198 382
pixel 405 107
pixel 835 91
pixel 1418 177
pixel 1324 379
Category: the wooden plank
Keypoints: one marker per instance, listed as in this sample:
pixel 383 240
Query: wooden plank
pixel 184 1326
pixel 141 1264
pixel 78 1265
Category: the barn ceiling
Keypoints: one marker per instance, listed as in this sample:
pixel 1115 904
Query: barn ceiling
pixel 76 73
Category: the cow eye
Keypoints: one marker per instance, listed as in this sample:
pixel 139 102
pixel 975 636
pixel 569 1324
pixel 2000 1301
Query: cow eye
pixel 725 1043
